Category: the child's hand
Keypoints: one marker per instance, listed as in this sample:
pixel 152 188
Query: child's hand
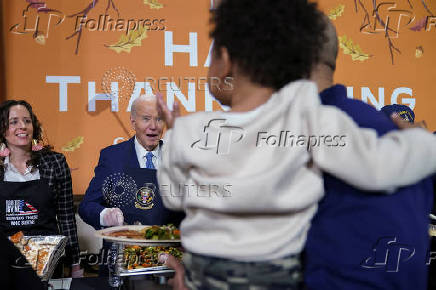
pixel 168 116
pixel 402 124
pixel 178 282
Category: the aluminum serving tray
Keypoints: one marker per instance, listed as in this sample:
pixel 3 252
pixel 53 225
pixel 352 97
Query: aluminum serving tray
pixel 55 254
pixel 123 271
pixel 145 271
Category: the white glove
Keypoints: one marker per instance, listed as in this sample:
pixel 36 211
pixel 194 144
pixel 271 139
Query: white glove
pixel 111 217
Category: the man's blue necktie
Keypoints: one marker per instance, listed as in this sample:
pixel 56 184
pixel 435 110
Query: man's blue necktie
pixel 149 160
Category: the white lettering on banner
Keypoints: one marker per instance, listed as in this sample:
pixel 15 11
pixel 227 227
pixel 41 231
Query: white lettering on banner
pixel 367 94
pixel 92 97
pixel 350 92
pixel 171 48
pixel 190 103
pixel 209 55
pixel 406 101
pixel 173 90
pixel 63 82
pixel 208 101
pixel 137 92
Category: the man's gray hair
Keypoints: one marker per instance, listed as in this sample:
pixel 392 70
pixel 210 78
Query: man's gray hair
pixel 149 97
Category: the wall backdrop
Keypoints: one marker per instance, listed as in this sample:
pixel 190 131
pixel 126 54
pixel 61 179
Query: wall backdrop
pixel 81 63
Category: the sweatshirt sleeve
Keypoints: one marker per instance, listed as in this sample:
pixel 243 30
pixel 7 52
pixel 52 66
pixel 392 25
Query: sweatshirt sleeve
pixel 370 163
pixel 170 173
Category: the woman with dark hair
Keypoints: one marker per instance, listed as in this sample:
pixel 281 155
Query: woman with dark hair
pixel 35 182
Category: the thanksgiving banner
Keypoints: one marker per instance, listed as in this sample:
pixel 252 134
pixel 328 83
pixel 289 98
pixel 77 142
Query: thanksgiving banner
pixel 81 63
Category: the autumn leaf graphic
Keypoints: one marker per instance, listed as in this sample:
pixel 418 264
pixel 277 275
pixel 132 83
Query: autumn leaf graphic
pixel 132 39
pixel 419 52
pixel 336 12
pixel 348 47
pixel 40 39
pixel 73 144
pixel 420 24
pixel 153 4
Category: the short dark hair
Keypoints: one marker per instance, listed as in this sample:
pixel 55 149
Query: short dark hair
pixel 274 42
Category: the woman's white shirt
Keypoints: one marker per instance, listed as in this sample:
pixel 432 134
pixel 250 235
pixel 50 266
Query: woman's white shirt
pixel 12 173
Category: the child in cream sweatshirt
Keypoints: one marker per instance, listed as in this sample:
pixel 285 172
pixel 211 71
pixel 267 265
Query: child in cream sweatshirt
pixel 250 179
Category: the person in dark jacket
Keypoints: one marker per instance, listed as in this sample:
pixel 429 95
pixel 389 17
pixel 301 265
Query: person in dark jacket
pixel 360 240
pixel 36 193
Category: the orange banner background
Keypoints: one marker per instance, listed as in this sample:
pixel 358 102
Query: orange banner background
pixel 38 57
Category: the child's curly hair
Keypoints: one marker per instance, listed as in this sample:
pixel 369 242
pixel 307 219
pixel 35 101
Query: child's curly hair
pixel 273 42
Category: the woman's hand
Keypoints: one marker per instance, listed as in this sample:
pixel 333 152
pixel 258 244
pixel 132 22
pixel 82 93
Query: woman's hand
pixel 168 116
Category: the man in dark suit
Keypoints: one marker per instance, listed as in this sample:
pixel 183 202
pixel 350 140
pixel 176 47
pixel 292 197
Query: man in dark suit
pixel 124 188
pixel 365 240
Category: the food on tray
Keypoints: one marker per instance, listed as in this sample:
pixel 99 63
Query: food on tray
pixel 36 250
pixel 136 257
pixel 169 232
pixel 166 232
pixel 16 238
pixel 127 233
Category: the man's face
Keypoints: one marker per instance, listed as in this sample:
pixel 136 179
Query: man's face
pixel 148 124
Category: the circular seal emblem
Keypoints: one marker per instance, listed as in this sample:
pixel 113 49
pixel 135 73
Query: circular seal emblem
pixel 119 190
pixel 145 196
